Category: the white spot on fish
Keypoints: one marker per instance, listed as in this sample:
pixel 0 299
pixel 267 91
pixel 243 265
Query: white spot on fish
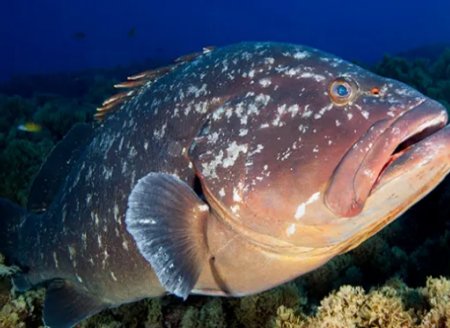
pixel 233 152
pixel 209 169
pixel 307 113
pixel 316 77
pixel 265 82
pixel 160 133
pixel 258 149
pixel 113 276
pixel 116 213
pixel 203 208
pixel 365 114
pixel 293 109
pixel 201 107
pixel 291 229
pixel 302 128
pixel 314 197
pixel 55 259
pixel 197 92
pixel 269 61
pixel 72 252
pixel 301 210
pixel 236 196
pixel 262 99
pixel 84 239
pixel 243 132
pixel 147 221
pixel 301 54
pixel 235 209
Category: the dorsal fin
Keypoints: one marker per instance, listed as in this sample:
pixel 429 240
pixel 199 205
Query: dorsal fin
pixel 135 82
pixel 57 166
pixel 190 57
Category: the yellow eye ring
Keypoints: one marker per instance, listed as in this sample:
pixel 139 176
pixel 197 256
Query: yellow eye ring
pixel 343 90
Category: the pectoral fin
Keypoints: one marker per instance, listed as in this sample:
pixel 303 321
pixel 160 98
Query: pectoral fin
pixel 167 220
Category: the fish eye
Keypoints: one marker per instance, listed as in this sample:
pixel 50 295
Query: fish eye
pixel 342 91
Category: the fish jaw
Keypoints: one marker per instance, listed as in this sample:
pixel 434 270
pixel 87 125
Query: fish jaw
pixel 405 181
pixel 431 152
pixel 362 166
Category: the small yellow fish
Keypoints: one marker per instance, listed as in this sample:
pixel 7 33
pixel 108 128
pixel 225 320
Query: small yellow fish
pixel 30 127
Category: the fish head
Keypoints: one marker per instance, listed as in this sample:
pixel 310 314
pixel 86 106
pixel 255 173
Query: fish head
pixel 334 154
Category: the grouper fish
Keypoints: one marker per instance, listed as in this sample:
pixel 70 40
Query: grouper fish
pixel 228 173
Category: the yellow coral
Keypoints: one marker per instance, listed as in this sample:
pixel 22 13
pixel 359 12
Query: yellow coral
pixel 383 308
pixel 352 307
pixel 437 291
pixel 22 309
pixel 287 319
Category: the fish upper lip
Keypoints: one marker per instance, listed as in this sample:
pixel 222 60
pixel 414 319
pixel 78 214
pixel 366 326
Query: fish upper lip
pixel 429 130
pixel 360 172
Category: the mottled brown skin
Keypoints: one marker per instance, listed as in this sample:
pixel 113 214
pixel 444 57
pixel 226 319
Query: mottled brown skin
pixel 256 123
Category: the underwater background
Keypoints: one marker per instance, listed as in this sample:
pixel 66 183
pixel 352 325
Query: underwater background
pixel 60 59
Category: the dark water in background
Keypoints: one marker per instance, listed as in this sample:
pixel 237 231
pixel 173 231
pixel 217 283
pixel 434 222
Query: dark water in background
pixel 44 36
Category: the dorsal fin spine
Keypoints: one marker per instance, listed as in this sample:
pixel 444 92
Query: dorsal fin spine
pixel 136 81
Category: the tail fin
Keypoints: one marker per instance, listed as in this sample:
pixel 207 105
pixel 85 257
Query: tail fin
pixel 11 217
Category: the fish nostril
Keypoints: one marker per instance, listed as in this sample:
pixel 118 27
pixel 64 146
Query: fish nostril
pixel 375 91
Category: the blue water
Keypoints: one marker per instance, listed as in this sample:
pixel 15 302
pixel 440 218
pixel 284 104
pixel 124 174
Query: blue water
pixel 44 36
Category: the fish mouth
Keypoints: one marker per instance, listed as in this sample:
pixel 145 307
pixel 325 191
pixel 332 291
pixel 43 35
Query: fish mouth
pixel 389 149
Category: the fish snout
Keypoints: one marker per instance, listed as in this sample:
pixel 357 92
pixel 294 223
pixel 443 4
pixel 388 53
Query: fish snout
pixel 419 131
pixel 432 149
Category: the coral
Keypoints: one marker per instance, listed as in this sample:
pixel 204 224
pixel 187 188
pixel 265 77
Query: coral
pixel 18 311
pixel 437 291
pixel 191 318
pixel 389 306
pixel 256 311
pixel 154 314
pixel 212 315
pixel 23 310
pixel 286 318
